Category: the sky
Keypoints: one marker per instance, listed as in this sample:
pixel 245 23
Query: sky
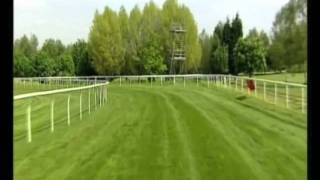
pixel 69 20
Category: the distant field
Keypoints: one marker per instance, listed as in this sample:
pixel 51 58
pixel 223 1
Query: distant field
pixel 287 77
pixel 167 132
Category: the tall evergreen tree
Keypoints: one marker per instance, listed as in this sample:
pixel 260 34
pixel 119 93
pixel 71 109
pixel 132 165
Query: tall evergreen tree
pixel 206 45
pixel 236 34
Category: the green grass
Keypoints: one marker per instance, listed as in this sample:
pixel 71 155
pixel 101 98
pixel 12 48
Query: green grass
pixel 168 132
pixel 287 77
pixel 22 88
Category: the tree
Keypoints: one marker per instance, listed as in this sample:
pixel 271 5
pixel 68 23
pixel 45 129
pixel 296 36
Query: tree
pixel 289 36
pixel 235 35
pixel 218 30
pixel 22 66
pixel 125 37
pixel 206 45
pixel 151 40
pixel 173 13
pixel 53 48
pixel 64 65
pixel 250 55
pixel 82 63
pixel 253 33
pixel 26 46
pixel 220 59
pixel 152 58
pixel 135 40
pixel 264 41
pixel 104 43
pixel 43 65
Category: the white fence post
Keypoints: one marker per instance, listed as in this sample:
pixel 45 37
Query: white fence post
pixel 120 81
pixel 106 94
pixel 95 98
pixel 241 84
pixel 80 106
pixel 184 81
pixel 52 116
pixel 100 96
pixel 161 80
pixel 89 97
pixel 256 88
pixel 29 123
pixel 302 100
pixel 226 81
pixel 69 110
pixel 197 81
pixel 208 80
pixel 287 96
pixel 264 90
pixel 174 79
pixel 236 83
pixel 275 93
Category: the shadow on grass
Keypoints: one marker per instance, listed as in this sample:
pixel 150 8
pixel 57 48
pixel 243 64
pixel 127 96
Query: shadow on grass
pixel 241 98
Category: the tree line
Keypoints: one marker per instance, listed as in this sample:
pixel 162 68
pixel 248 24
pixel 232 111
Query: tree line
pixel 139 42
pixel 52 59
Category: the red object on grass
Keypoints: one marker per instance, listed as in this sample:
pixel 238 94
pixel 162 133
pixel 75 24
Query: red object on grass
pixel 250 85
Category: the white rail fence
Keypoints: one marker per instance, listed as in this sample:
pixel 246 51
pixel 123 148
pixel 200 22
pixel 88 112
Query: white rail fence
pixel 290 95
pixel 45 109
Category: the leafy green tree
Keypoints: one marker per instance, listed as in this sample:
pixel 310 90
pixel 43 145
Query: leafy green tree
pixel 173 13
pixel 64 65
pixel 289 36
pixel 43 65
pixel 135 42
pixel 264 41
pixel 26 46
pixel 220 59
pixel 22 66
pixel 152 58
pixel 104 43
pixel 82 63
pixel 53 48
pixel 250 55
pixel 124 27
pixel 151 37
pixel 25 50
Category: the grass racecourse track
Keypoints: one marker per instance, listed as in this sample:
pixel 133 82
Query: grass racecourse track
pixel 288 77
pixel 168 133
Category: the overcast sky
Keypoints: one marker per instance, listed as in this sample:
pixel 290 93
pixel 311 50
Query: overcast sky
pixel 69 20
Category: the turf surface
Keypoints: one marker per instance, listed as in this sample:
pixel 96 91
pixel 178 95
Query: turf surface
pixel 169 133
pixel 287 77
